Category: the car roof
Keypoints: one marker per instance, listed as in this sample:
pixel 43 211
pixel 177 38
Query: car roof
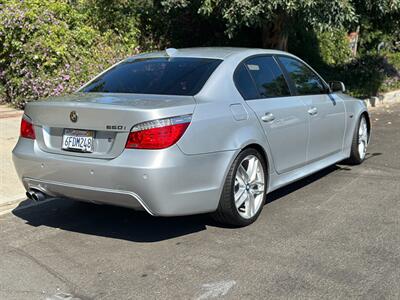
pixel 207 52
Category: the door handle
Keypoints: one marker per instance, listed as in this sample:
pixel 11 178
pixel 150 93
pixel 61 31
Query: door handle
pixel 313 111
pixel 268 117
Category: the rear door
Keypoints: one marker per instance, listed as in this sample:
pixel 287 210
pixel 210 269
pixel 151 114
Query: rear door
pixel 325 111
pixel 283 117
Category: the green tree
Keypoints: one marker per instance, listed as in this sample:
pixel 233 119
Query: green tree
pixel 381 14
pixel 275 18
pixel 379 23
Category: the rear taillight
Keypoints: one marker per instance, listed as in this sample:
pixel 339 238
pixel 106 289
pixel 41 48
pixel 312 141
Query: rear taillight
pixel 27 130
pixel 158 134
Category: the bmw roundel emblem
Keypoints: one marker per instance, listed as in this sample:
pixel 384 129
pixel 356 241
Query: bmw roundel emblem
pixel 73 116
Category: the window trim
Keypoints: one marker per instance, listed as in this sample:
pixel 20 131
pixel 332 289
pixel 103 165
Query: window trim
pixel 289 83
pixel 327 91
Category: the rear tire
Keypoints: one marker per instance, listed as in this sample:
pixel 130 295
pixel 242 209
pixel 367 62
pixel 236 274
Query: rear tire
pixel 244 192
pixel 359 143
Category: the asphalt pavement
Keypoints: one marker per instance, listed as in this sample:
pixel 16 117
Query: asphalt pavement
pixel 335 234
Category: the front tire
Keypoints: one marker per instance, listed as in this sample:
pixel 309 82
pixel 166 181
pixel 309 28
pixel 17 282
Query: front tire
pixel 359 143
pixel 244 191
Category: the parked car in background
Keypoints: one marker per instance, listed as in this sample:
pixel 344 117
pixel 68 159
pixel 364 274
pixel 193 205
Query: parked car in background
pixel 189 131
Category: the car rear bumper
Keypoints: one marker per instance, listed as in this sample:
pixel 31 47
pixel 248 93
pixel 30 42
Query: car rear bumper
pixel 86 193
pixel 163 182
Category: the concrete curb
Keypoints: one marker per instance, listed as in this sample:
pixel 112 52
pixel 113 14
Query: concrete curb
pixel 383 99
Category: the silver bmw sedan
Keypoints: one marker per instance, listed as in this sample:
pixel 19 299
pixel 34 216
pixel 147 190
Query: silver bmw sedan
pixel 189 131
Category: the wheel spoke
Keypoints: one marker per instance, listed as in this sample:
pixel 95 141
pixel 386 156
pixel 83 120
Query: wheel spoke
pixel 257 191
pixel 365 134
pixel 362 127
pixel 241 199
pixel 242 172
pixel 362 135
pixel 252 168
pixel 239 193
pixel 258 182
pixel 362 138
pixel 250 205
pixel 239 179
pixel 257 188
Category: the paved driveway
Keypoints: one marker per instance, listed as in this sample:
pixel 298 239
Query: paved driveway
pixel 335 234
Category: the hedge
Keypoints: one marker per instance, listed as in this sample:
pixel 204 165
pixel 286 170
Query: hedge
pixel 50 48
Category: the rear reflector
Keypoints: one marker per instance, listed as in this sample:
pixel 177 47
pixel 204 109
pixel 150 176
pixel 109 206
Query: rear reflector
pixel 27 130
pixel 158 134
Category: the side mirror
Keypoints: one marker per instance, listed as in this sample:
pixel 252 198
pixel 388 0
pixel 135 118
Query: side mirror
pixel 337 86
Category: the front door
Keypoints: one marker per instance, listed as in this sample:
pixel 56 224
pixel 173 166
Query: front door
pixel 326 111
pixel 327 125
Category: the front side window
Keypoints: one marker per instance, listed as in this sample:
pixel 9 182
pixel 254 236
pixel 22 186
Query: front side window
pixel 304 79
pixel 268 77
pixel 164 76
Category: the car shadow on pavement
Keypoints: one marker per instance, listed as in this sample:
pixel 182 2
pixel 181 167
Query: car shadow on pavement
pixel 109 221
pixel 127 224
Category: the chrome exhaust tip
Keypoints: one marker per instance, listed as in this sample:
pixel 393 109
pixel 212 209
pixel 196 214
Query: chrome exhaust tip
pixel 28 195
pixel 36 195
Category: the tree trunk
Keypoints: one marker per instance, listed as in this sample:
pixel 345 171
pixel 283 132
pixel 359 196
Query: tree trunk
pixel 274 35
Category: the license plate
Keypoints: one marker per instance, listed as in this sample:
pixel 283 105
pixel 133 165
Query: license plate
pixel 78 140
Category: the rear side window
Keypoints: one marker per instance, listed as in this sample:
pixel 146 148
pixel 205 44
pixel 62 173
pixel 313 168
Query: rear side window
pixel 245 84
pixel 164 76
pixel 304 79
pixel 268 77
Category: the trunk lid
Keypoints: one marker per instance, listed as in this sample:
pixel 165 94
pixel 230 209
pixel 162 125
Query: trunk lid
pixel 109 116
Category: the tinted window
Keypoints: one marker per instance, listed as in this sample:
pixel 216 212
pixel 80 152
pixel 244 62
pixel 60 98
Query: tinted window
pixel 268 77
pixel 245 84
pixel 304 79
pixel 166 76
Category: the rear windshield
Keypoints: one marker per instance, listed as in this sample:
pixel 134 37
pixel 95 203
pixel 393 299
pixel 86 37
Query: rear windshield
pixel 165 76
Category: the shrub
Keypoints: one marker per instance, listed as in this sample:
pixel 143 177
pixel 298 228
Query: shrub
pixel 392 68
pixel 322 50
pixel 50 48
pixel 334 47
pixel 370 74
pixel 364 76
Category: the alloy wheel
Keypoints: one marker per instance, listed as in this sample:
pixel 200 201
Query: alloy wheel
pixel 362 138
pixel 249 186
